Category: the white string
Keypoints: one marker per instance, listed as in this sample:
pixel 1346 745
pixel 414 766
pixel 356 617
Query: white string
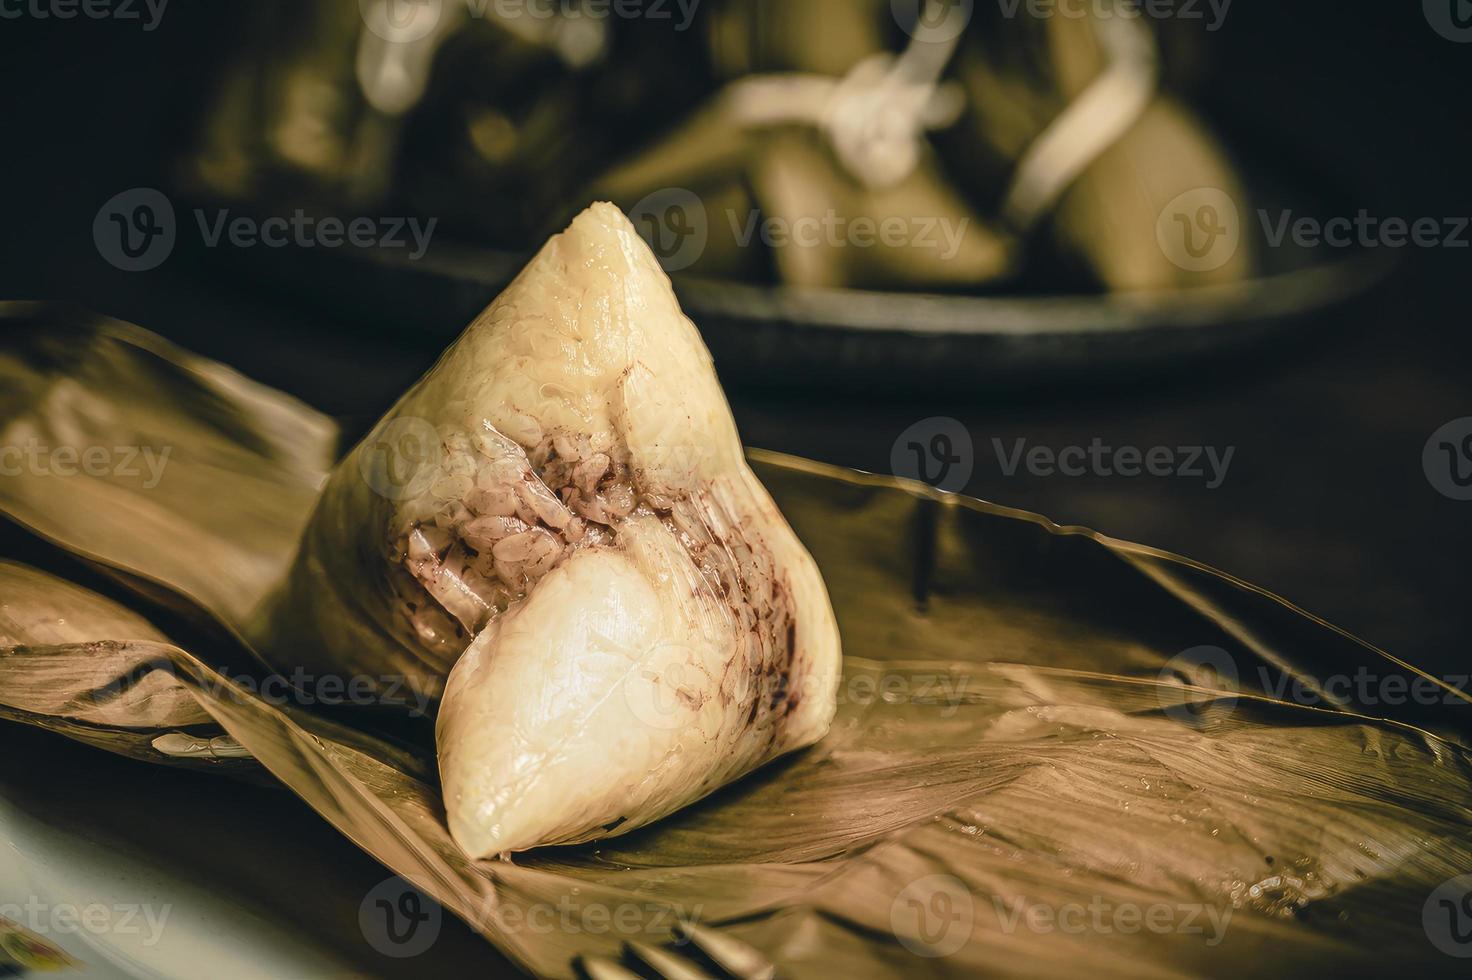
pixel 875 116
pixel 1090 124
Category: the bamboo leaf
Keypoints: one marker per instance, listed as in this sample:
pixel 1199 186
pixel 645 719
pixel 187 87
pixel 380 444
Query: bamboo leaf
pixel 1019 779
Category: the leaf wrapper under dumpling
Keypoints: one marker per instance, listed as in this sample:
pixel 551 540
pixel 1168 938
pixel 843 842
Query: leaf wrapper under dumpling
pixel 1006 742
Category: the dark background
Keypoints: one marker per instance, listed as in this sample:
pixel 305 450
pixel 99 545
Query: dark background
pixel 1325 502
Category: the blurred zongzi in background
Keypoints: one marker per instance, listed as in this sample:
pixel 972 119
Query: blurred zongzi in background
pixel 833 143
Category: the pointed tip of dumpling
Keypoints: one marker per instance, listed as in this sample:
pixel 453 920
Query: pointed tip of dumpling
pixel 598 220
pixel 606 213
pixel 602 233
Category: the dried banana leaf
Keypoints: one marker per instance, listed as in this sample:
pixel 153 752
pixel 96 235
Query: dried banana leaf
pixel 1014 784
pixel 201 480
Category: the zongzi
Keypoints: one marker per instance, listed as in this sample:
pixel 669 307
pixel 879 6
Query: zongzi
pixel 567 489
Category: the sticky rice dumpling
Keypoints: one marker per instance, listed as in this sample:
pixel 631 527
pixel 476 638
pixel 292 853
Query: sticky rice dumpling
pixel 555 532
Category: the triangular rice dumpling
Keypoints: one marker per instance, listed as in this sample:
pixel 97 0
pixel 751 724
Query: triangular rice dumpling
pixel 567 487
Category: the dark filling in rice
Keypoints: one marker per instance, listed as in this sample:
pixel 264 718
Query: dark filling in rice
pixel 480 540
